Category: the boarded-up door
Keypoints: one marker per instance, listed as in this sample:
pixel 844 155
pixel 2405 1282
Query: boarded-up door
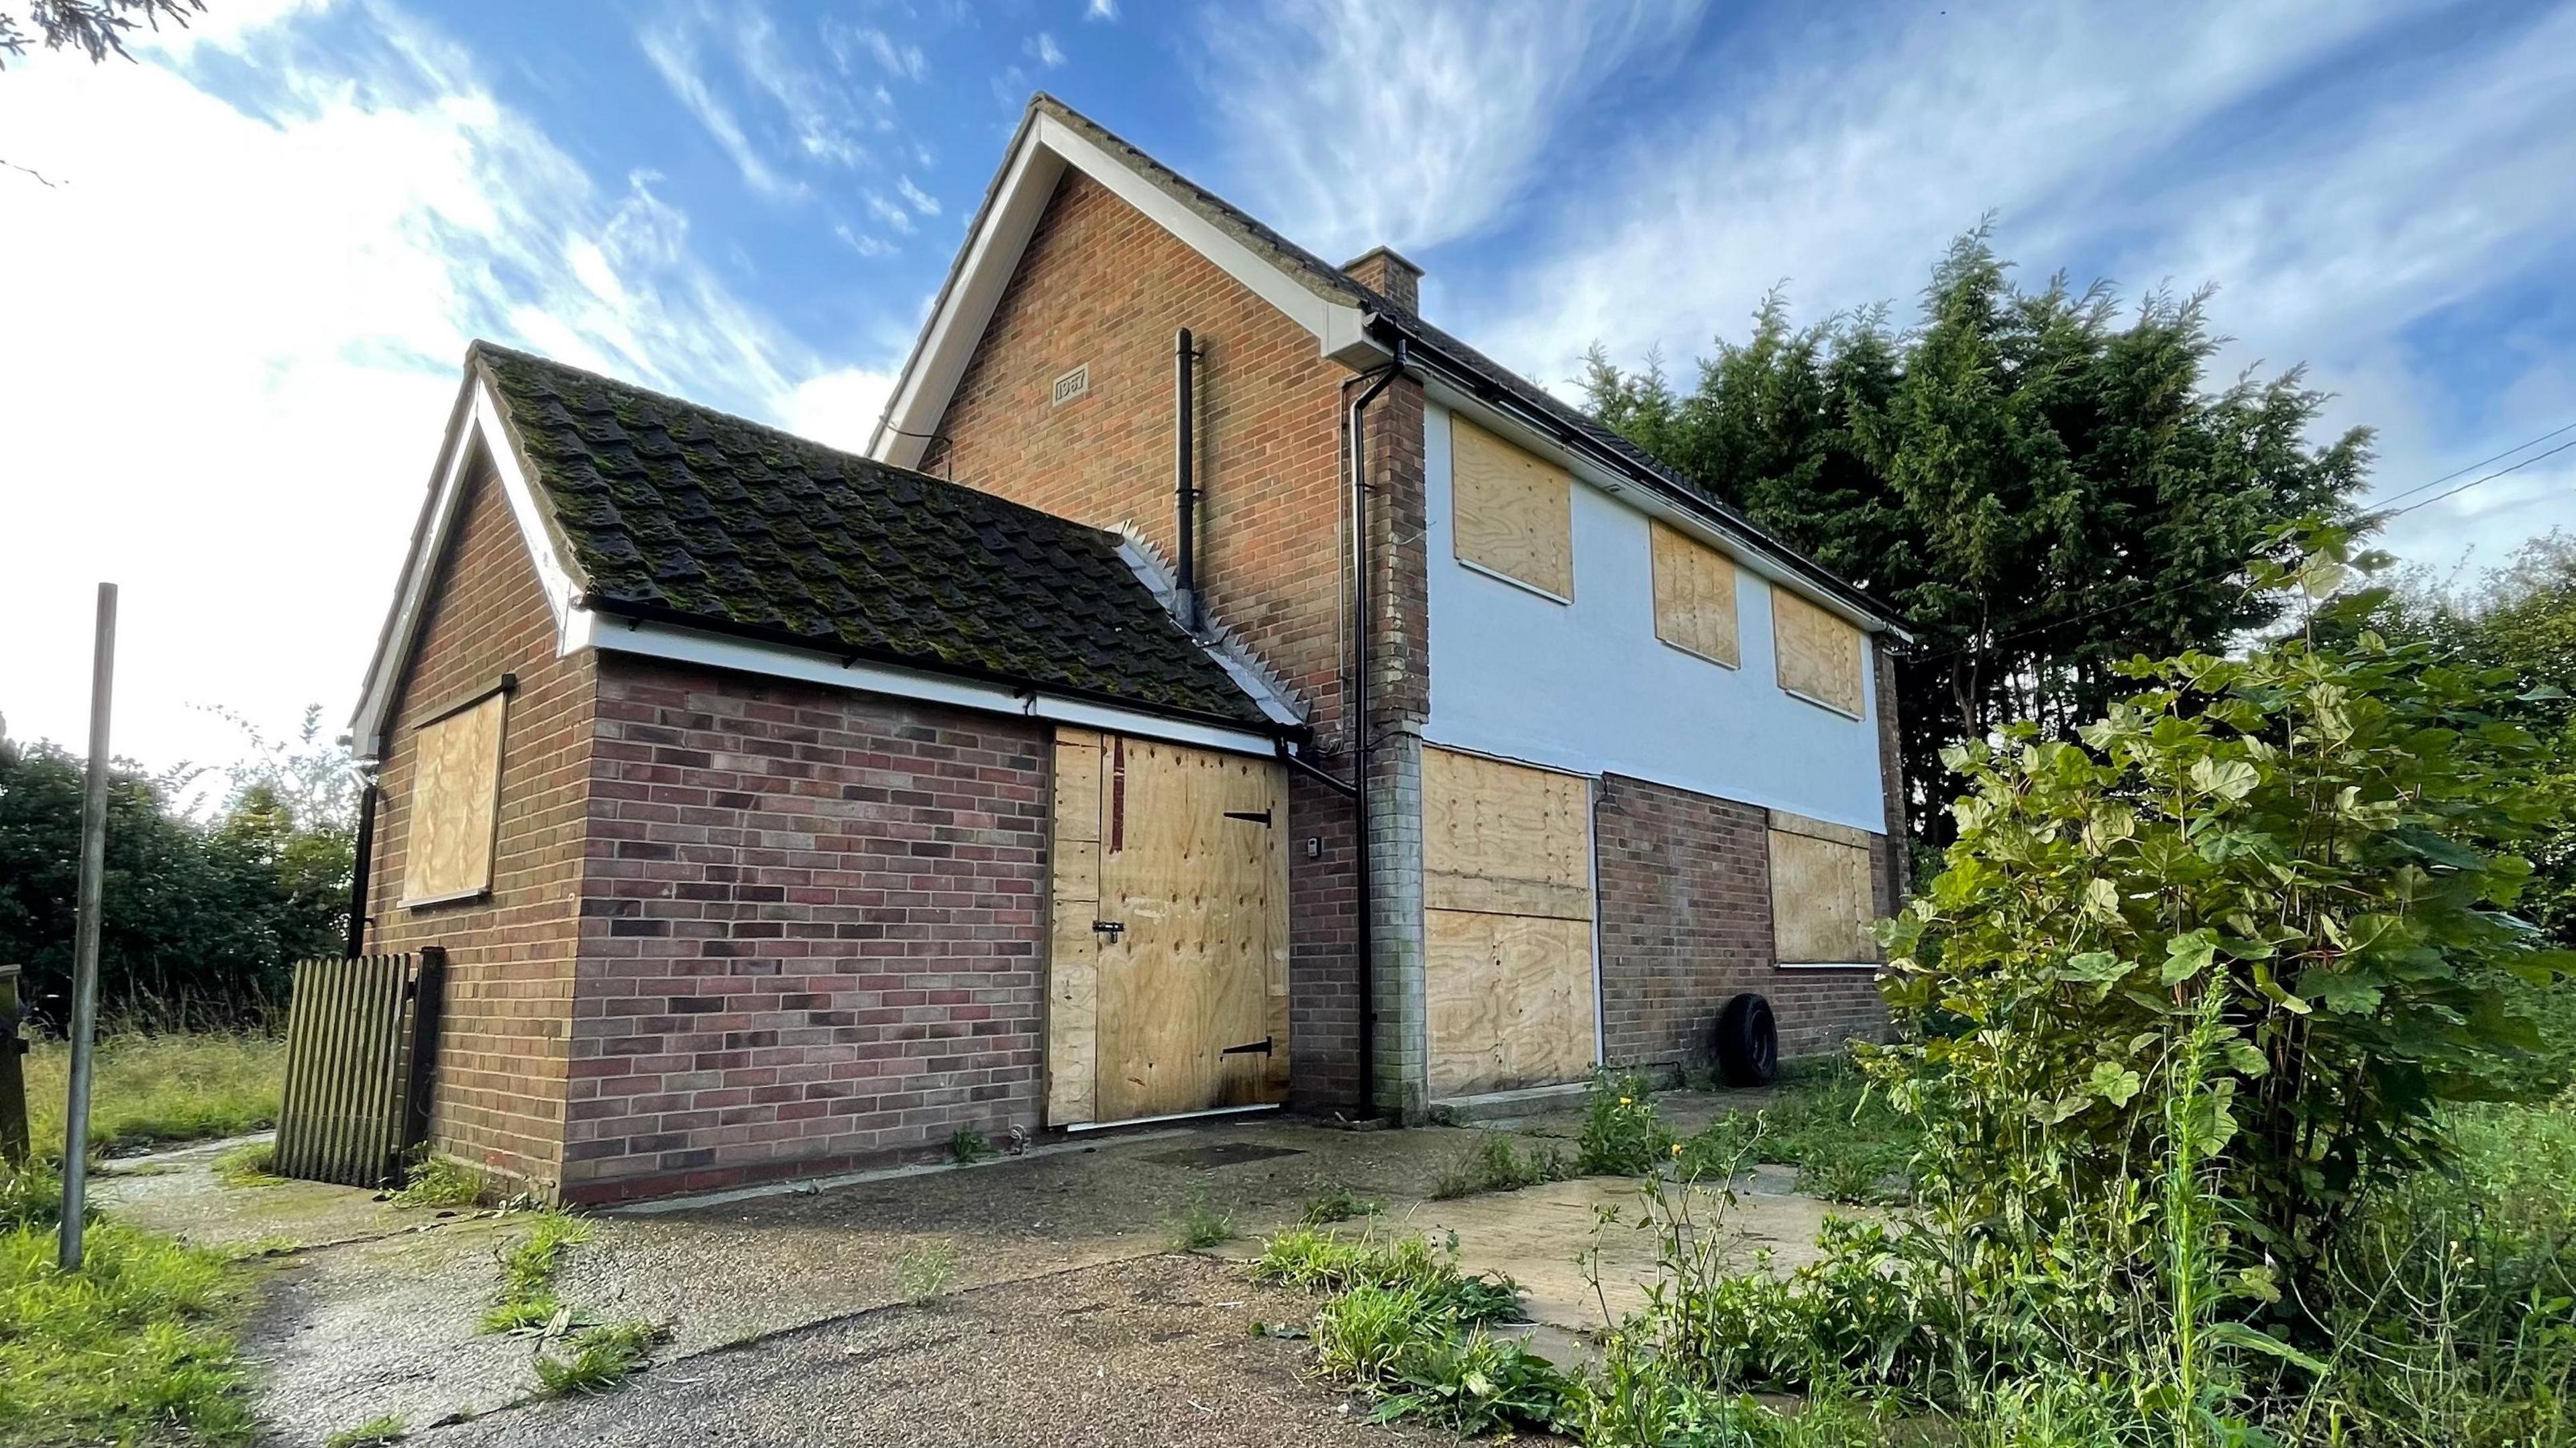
pixel 1507 891
pixel 1168 968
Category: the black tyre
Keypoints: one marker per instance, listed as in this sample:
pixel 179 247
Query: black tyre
pixel 1748 1044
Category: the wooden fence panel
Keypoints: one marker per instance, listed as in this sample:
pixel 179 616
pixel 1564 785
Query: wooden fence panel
pixel 360 1032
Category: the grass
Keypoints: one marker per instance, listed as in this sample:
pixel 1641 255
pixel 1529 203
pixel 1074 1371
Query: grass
pixel 150 1089
pixel 527 1300
pixel 374 1433
pixel 1338 1203
pixel 1199 1225
pixel 923 1274
pixel 1847 1143
pixel 135 1347
pixel 1496 1165
pixel 252 1164
pixel 968 1146
pixel 439 1182
pixel 598 1359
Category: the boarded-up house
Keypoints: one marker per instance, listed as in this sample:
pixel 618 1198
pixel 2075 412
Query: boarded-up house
pixel 783 811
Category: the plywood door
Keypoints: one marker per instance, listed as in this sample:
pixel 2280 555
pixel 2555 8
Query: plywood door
pixel 1183 1006
pixel 1507 890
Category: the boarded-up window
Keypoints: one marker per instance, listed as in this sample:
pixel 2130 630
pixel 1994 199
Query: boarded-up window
pixel 1821 900
pixel 456 788
pixel 1507 886
pixel 1510 513
pixel 1819 653
pixel 1694 596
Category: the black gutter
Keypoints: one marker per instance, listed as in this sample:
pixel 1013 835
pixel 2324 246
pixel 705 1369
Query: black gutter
pixel 1357 720
pixel 365 851
pixel 850 653
pixel 1185 493
pixel 1474 378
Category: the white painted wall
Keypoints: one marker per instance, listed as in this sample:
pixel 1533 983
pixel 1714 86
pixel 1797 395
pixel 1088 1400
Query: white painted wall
pixel 1587 686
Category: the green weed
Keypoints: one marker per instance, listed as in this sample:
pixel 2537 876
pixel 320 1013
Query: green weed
pixel 527 1297
pixel 1407 1327
pixel 1496 1165
pixel 250 1165
pixel 1338 1203
pixel 440 1181
pixel 598 1359
pixel 1621 1135
pixel 1199 1225
pixel 923 1273
pixel 967 1146
pixel 150 1089
pixel 379 1432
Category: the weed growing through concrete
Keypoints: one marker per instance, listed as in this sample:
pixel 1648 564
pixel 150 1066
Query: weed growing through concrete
pixel 1199 1225
pixel 250 1165
pixel 377 1432
pixel 1338 1203
pixel 439 1182
pixel 1621 1135
pixel 599 1358
pixel 527 1300
pixel 1496 1165
pixel 923 1273
pixel 969 1146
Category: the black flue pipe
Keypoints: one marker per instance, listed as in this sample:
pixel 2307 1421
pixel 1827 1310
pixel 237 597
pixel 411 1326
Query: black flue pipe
pixel 1185 493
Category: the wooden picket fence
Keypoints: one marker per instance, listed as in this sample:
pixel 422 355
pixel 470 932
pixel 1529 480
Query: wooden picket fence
pixel 360 1036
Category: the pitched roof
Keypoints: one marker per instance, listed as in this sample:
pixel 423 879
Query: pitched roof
pixel 1429 346
pixel 665 510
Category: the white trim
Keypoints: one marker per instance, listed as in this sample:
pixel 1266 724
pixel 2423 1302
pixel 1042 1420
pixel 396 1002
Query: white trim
pixel 1045 147
pixel 1173 1116
pixel 1804 697
pixel 717 651
pixel 477 419
pixel 1745 551
pixel 1825 965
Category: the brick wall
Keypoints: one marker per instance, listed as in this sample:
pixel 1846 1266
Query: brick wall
pixel 1103 287
pixel 499 1102
pixel 810 932
pixel 1685 908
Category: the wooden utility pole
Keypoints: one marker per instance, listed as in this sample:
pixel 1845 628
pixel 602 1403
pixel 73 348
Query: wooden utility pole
pixel 93 865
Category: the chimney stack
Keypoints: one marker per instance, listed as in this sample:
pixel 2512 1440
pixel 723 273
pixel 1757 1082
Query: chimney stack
pixel 1384 271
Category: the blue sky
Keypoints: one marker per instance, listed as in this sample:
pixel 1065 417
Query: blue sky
pixel 262 250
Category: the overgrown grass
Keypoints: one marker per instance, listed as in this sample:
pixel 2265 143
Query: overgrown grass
pixel 1847 1143
pixel 1199 1225
pixel 252 1164
pixel 598 1359
pixel 150 1089
pixel 134 1348
pixel 438 1181
pixel 1495 1164
pixel 527 1300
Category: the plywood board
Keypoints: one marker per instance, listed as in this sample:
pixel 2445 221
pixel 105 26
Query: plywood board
pixel 1509 511
pixel 1073 950
pixel 1505 838
pixel 1509 1000
pixel 1694 596
pixel 1821 901
pixel 1193 870
pixel 456 792
pixel 1820 655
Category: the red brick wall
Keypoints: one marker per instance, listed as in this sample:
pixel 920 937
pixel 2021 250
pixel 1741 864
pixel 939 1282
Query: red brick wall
pixel 499 1102
pixel 810 932
pixel 1103 287
pixel 1685 905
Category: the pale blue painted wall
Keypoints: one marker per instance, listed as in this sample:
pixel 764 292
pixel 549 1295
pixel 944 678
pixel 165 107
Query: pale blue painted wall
pixel 1587 686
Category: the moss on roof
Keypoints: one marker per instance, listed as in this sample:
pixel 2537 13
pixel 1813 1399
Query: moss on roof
pixel 671 510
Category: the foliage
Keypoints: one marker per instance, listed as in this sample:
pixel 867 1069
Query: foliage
pixel 438 1181
pixel 527 1297
pixel 200 920
pixel 132 1348
pixel 924 1273
pixel 1323 1260
pixel 1494 1164
pixel 377 1432
pixel 2040 490
pixel 97 27
pixel 147 1089
pixel 1621 1135
pixel 1338 1203
pixel 1199 1225
pixel 598 1358
pixel 967 1146
pixel 2319 837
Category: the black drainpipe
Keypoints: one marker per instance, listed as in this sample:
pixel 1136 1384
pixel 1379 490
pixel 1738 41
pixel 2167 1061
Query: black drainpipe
pixel 366 847
pixel 1361 749
pixel 1185 493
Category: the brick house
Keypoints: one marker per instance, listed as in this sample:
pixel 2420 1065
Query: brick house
pixel 783 811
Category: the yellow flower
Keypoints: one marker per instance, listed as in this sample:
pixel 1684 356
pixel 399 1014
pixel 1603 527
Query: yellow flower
pixel 1623 1100
pixel 1677 1148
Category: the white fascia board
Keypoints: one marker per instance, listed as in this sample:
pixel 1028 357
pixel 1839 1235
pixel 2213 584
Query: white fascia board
pixel 477 420
pixel 1746 550
pixel 1048 146
pixel 717 651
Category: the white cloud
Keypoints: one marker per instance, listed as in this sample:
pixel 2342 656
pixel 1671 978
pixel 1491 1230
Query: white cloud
pixel 862 243
pixel 674 53
pixel 889 213
pixel 906 61
pixel 920 200
pixel 1100 10
pixel 1359 123
pixel 235 417
pixel 1042 46
pixel 838 408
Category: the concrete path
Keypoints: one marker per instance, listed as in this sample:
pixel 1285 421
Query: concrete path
pixel 783 1301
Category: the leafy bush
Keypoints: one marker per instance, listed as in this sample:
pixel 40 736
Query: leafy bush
pixel 1496 1165
pixel 1621 1135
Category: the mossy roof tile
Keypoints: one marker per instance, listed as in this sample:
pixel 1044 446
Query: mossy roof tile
pixel 669 508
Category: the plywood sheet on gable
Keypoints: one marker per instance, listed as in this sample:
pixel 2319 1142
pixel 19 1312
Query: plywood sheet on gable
pixel 1510 512
pixel 1821 902
pixel 1820 655
pixel 1694 596
pixel 456 790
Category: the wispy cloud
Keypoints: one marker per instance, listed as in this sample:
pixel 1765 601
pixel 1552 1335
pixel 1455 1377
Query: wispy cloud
pixel 1100 10
pixel 850 42
pixel 675 55
pixel 1042 48
pixel 1359 123
pixel 889 213
pixel 920 200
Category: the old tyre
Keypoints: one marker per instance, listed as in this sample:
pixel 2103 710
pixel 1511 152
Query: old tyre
pixel 1748 1045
